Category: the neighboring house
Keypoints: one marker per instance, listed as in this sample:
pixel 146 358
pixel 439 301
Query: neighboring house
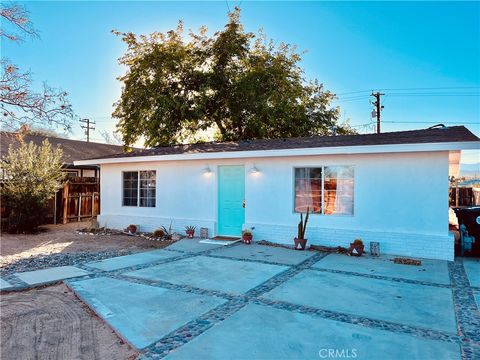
pixel 79 199
pixel 390 187
pixel 72 150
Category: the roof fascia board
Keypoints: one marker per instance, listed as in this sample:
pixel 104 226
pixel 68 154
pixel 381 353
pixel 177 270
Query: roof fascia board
pixel 362 149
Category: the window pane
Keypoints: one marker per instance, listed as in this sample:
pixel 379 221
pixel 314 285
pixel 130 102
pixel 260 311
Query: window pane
pixel 338 190
pixel 308 190
pixel 147 188
pixel 130 188
pixel 343 172
pixel 308 173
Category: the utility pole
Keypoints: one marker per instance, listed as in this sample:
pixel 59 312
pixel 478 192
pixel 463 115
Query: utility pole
pixel 87 127
pixel 378 107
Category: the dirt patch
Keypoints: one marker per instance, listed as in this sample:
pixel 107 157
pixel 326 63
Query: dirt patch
pixel 51 323
pixel 54 239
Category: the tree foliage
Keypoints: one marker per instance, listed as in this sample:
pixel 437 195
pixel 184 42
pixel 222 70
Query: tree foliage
pixel 238 83
pixel 19 103
pixel 32 174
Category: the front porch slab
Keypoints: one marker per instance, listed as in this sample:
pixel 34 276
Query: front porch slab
pixel 229 276
pixel 472 268
pixel 141 314
pixel 401 303
pixel 50 275
pixel 121 262
pixel 261 332
pixel 434 271
pixel 265 253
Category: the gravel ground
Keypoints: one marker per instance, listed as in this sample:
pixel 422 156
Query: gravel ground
pixel 59 245
pixel 47 261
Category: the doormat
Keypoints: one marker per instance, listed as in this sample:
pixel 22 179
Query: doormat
pixel 407 261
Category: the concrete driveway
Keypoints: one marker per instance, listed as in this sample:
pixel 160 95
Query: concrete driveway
pixel 203 301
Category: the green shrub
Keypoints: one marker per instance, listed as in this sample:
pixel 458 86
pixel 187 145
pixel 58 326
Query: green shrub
pixel 32 175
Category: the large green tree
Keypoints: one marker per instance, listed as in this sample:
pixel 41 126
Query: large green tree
pixel 239 84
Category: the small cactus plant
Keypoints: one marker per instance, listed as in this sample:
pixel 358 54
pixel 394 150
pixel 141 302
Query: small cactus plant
pixel 302 225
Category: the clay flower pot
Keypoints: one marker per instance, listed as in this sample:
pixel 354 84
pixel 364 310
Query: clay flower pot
pixel 247 238
pixel 190 233
pixel 300 242
pixel 356 249
pixel 132 229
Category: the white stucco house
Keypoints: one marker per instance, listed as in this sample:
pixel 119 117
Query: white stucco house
pixel 390 187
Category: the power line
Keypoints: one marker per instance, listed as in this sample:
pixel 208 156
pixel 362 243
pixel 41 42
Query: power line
pixel 432 122
pixel 406 89
pixel 433 88
pixel 434 94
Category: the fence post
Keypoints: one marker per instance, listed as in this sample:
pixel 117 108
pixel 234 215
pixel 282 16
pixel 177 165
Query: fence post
pixel 457 195
pixel 79 206
pixel 93 203
pixel 66 201
pixel 55 209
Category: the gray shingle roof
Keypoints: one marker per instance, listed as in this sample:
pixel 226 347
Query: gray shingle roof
pixel 435 135
pixel 72 149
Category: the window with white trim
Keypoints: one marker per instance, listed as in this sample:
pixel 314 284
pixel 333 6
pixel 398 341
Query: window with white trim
pixel 139 188
pixel 324 190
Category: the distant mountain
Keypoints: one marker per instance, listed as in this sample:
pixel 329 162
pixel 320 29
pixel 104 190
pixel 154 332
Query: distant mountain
pixel 470 170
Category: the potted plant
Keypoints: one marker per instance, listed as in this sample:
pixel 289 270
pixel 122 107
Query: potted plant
pixel 132 229
pixel 356 248
pixel 190 230
pixel 159 233
pixel 302 227
pixel 247 236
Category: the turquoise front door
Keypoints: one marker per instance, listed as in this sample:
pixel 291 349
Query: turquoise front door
pixel 231 195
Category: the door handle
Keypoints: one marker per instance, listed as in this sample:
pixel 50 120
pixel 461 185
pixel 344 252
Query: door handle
pixel 243 203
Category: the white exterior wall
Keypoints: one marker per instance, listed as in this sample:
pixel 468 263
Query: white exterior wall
pixel 401 200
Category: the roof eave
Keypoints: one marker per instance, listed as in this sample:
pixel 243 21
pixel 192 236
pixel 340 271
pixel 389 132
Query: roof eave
pixel 340 150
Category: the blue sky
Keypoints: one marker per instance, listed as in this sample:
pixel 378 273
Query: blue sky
pixel 425 55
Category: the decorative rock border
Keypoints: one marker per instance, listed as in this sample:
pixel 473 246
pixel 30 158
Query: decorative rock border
pixel 466 311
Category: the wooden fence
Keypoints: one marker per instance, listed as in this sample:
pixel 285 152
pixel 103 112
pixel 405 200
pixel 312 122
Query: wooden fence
pixel 463 196
pixel 79 199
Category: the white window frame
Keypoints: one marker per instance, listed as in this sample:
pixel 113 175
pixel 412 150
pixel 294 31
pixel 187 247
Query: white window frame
pixel 322 213
pixel 138 189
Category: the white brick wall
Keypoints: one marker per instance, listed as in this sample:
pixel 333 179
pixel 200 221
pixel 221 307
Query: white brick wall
pixel 404 244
